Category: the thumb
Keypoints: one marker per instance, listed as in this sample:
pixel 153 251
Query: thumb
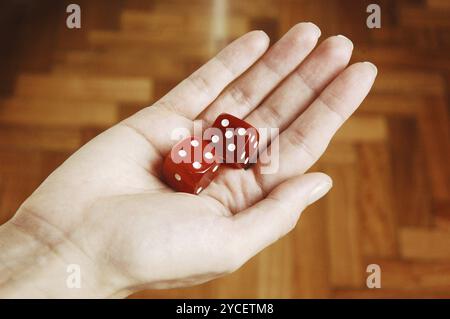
pixel 273 217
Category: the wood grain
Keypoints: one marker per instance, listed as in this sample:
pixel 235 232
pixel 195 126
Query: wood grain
pixel 390 204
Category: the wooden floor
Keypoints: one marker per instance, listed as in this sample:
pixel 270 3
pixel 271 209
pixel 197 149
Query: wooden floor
pixel 390 163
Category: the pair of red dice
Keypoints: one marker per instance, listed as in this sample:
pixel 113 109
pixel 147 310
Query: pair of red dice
pixel 194 162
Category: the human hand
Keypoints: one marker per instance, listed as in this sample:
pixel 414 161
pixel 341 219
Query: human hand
pixel 107 210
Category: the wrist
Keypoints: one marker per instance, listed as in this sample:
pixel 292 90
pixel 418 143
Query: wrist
pixel 31 267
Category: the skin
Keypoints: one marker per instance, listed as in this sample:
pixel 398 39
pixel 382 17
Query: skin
pixel 107 210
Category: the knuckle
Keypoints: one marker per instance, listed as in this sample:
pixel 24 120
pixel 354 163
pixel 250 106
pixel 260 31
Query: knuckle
pixel 241 97
pixel 273 69
pixel 272 116
pixel 333 102
pixel 305 78
pixel 200 83
pixel 223 65
pixel 297 138
pixel 291 221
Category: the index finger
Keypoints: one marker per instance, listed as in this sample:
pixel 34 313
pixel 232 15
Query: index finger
pixel 195 93
pixel 182 104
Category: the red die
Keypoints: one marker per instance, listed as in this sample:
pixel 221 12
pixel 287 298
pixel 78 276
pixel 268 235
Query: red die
pixel 191 165
pixel 236 141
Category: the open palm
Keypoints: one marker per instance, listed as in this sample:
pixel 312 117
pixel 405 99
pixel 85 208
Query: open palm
pixel 107 202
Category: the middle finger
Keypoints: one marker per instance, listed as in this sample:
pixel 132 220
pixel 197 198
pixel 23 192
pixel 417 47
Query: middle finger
pixel 302 86
pixel 247 92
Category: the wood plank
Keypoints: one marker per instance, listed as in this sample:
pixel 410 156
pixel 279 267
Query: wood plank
pixel 390 294
pixel 438 4
pixel 414 275
pixel 197 292
pixel 424 17
pixel 15 190
pixel 51 160
pixel 424 244
pixel 392 104
pixel 36 138
pixel 139 20
pixel 19 177
pixel 108 39
pixel 275 270
pixel 435 133
pixel 255 8
pixel 363 128
pixel 54 112
pixel 139 63
pixel 400 57
pixel 441 211
pixel 343 226
pixel 412 200
pixel 311 253
pixel 340 153
pixel 389 162
pixel 170 25
pixel 378 218
pixel 409 82
pixel 240 284
pixel 101 89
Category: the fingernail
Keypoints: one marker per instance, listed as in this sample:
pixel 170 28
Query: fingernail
pixel 319 191
pixel 262 33
pixel 344 37
pixel 372 66
pixel 316 27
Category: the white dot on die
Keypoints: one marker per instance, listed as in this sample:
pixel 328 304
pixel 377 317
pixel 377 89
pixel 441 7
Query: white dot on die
pixel 198 190
pixel 215 168
pixel 243 155
pixel 252 139
pixel 246 160
pixel 215 139
pixel 196 165
pixel 225 122
pixel 231 147
pixel 241 131
pixel 182 153
pixel 194 143
pixel 228 134
pixel 177 177
pixel 208 155
pixel 255 145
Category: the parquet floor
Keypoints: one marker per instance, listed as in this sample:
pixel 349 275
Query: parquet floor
pixel 390 163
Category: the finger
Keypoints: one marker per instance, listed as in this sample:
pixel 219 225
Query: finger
pixel 192 95
pixel 251 88
pixel 300 145
pixel 177 109
pixel 302 86
pixel 277 214
pixel 304 141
